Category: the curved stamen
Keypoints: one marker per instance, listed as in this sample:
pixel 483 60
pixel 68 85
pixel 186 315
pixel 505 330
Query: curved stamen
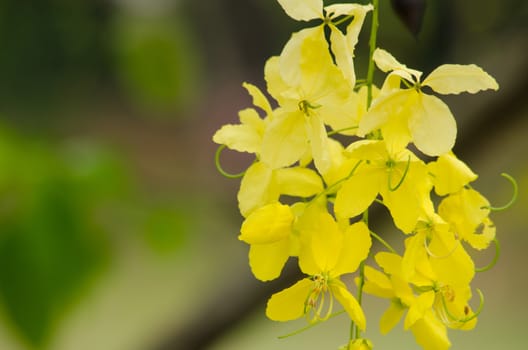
pixel 495 258
pixel 452 318
pixel 392 189
pixel 333 132
pixel 300 330
pixel 433 255
pixel 383 242
pixel 513 198
pixel 335 184
pixel 219 166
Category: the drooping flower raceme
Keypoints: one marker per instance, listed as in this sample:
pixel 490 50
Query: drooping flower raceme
pixel 307 194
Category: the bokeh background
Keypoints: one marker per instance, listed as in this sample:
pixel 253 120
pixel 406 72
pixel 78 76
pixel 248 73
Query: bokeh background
pixel 117 232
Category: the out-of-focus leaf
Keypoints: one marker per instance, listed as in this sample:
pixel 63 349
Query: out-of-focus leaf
pixel 166 229
pixel 51 244
pixel 157 62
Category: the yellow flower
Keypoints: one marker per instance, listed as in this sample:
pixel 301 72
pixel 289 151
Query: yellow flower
pixel 427 329
pixel 262 185
pixel 409 115
pixel 450 174
pixel 448 277
pixel 400 177
pixel 269 232
pixel 246 136
pixel 342 44
pixel 326 253
pixel 320 96
pixel 468 213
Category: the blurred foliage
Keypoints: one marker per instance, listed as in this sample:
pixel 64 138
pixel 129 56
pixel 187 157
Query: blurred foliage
pixel 61 48
pixel 52 45
pixel 56 211
pixel 51 243
pixel 157 62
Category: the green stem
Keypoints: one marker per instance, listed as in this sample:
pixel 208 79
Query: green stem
pixel 372 46
pixel 383 242
pixel 360 292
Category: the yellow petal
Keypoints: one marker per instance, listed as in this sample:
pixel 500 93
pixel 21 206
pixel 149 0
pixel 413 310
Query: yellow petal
pixel 412 199
pixel 349 303
pixel 303 10
pixel 268 224
pixel 468 211
pixel 432 126
pixel 450 174
pixel 285 140
pixel 390 263
pixel 259 99
pixel 421 305
pixel 288 304
pixel 356 246
pixel 267 260
pixel 340 166
pixel 356 194
pixel 257 188
pixel 316 132
pixel 391 317
pixel 322 239
pixel 402 290
pixel 414 252
pixel 386 62
pixel 430 333
pixel 393 106
pixel 377 283
pixel 454 265
pixel 298 181
pixel 274 82
pixel 292 54
pixel 354 27
pixel 343 55
pixel 245 137
pixel 456 78
pixel 319 75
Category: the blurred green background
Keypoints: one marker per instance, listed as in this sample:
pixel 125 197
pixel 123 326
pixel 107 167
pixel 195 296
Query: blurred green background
pixel 117 232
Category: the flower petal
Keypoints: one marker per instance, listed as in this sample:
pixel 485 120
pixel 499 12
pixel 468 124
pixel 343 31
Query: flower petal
pixel 275 84
pixel 356 246
pixel 267 260
pixel 257 188
pixel 386 62
pixel 421 305
pixel 393 106
pixel 285 140
pixel 431 333
pixel 259 99
pixel 321 240
pixel 356 194
pixel 456 78
pixel 377 283
pixel 349 303
pixel 298 181
pixel 292 55
pixel 316 132
pixel 245 137
pixel 467 210
pixel 288 304
pixel 391 317
pixel 303 10
pixel 268 224
pixel 343 55
pixel 432 126
pixel 450 174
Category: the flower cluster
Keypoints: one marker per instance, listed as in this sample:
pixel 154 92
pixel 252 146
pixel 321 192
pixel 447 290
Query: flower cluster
pixel 307 195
